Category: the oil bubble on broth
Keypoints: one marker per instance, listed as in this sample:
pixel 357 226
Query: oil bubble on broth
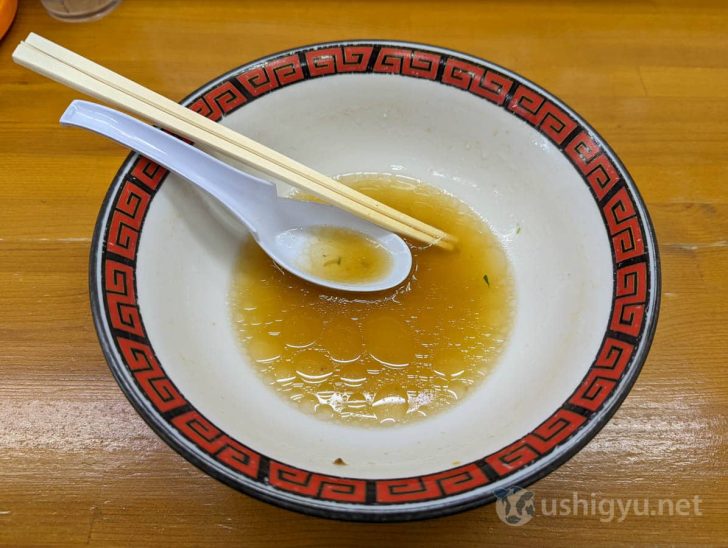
pixel 388 357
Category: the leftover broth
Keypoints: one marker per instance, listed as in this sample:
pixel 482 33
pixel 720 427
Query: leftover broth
pixel 387 357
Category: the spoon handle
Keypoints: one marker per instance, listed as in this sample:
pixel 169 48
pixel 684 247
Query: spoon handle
pixel 246 196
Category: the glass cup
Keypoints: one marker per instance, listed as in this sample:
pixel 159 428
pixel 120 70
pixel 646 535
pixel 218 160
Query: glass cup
pixel 79 10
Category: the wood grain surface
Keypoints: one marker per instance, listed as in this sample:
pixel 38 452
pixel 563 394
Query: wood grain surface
pixel 78 465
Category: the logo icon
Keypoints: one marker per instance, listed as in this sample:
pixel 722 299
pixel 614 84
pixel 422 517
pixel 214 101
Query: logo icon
pixel 515 506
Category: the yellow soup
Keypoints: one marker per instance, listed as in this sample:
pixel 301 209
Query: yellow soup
pixel 343 255
pixel 387 357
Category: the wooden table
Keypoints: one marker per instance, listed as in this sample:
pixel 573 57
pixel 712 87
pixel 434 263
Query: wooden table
pixel 78 465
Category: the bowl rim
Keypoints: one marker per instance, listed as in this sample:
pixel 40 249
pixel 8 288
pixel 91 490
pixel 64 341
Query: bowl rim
pixel 445 505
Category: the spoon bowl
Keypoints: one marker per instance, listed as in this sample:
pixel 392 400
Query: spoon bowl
pixel 289 242
pixel 283 227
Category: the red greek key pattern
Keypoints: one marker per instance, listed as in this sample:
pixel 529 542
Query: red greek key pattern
pixel 148 172
pixel 451 482
pixel 601 174
pixel 486 83
pixel 338 59
pixel 548 435
pixel 420 64
pixel 155 384
pixel 624 226
pixel 590 159
pixel 276 73
pixel 306 483
pixel 126 220
pixel 545 115
pixel 210 439
pixel 631 296
pixel 602 378
pixel 121 298
pixel 219 101
pixel 613 358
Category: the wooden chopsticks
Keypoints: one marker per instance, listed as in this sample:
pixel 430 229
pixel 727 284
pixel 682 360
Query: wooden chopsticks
pixel 75 71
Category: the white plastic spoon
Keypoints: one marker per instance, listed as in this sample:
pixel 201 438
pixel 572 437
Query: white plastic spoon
pixel 284 228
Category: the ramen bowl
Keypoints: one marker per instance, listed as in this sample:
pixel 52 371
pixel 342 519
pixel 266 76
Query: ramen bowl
pixel 575 230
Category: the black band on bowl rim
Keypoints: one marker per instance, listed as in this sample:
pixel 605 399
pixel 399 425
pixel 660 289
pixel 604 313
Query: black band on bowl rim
pixel 633 315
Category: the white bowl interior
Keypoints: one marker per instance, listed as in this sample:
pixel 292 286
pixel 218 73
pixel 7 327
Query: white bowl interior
pixel 523 187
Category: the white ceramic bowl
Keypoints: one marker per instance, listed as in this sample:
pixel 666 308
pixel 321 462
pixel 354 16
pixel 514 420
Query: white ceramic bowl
pixel 568 214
